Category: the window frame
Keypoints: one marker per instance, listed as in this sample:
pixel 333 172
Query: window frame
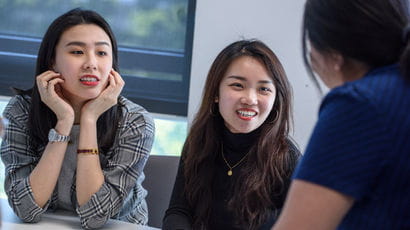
pixel 18 59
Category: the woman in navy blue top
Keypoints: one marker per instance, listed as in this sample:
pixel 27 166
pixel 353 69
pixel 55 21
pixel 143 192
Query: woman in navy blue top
pixel 355 173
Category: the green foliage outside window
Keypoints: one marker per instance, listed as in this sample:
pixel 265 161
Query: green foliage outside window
pixel 152 24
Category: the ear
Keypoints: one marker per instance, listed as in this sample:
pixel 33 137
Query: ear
pixel 216 100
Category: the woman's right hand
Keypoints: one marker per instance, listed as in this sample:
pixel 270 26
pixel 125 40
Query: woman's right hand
pixel 48 84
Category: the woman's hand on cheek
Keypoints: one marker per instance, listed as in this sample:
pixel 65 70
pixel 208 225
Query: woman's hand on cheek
pixel 48 84
pixel 107 98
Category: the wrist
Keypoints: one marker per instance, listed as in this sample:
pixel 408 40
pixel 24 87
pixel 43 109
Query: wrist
pixel 64 126
pixel 66 118
pixel 88 119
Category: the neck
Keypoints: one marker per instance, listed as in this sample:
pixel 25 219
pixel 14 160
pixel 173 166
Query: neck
pixel 77 106
pixel 239 143
pixel 354 70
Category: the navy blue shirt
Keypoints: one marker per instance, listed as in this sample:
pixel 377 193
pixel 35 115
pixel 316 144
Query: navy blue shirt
pixel 360 147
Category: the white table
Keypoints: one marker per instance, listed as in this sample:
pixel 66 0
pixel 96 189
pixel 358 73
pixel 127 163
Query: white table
pixel 57 220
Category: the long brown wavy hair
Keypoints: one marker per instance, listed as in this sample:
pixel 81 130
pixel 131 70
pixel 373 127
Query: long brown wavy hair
pixel 269 166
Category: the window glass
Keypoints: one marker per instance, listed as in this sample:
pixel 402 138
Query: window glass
pixel 152 24
pixel 155 42
pixel 169 136
pixel 154 38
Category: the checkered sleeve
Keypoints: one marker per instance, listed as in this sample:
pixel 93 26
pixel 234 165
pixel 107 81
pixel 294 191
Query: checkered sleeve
pixel 20 158
pixel 123 173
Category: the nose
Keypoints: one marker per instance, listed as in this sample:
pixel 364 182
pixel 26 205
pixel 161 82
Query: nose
pixel 90 62
pixel 249 97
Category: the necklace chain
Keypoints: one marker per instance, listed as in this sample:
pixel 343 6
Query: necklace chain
pixel 236 164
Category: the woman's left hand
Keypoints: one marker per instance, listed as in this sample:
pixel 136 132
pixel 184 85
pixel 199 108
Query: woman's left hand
pixel 107 98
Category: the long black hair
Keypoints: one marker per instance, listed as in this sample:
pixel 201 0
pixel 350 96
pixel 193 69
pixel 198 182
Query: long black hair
pixel 270 162
pixel 42 118
pixel 369 31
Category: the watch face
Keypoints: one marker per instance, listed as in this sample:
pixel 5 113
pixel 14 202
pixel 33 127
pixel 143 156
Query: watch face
pixel 51 135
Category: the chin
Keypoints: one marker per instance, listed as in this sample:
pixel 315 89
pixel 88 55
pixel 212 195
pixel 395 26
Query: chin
pixel 88 97
pixel 92 94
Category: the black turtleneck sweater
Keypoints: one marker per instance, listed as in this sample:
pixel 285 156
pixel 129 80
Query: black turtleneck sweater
pixel 235 147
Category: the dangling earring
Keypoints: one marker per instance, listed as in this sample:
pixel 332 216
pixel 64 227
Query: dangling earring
pixel 211 110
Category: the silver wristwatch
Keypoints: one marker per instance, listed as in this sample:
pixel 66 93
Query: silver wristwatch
pixel 53 136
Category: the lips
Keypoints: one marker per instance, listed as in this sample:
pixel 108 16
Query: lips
pixel 246 114
pixel 89 80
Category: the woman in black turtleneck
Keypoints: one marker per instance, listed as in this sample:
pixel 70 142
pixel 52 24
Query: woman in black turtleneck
pixel 237 160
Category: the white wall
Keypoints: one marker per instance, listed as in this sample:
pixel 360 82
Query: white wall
pixel 275 22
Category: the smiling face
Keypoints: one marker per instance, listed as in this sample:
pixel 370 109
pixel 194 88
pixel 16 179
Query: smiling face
pixel 246 95
pixel 84 59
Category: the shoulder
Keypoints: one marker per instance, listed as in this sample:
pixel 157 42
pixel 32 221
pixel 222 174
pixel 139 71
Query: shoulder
pixel 347 93
pixel 350 100
pixel 375 90
pixel 135 116
pixel 130 107
pixel 18 108
pixel 376 99
pixel 349 108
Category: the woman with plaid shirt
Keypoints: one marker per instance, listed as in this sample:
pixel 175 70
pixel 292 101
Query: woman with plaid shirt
pixel 72 141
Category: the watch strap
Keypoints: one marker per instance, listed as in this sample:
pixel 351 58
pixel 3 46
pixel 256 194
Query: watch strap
pixel 54 136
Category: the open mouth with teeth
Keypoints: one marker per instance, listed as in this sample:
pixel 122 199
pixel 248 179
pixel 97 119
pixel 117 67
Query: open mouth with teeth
pixel 89 81
pixel 246 114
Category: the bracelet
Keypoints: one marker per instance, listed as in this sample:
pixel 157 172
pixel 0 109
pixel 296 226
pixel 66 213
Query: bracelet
pixel 87 151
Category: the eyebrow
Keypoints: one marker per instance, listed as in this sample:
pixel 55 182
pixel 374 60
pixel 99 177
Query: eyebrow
pixel 244 79
pixel 77 43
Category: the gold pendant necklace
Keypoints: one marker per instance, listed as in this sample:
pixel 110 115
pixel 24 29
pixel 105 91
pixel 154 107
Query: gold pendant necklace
pixel 230 172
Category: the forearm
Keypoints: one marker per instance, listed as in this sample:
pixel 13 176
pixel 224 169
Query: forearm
pixel 122 168
pixel 90 177
pixel 44 176
pixel 312 207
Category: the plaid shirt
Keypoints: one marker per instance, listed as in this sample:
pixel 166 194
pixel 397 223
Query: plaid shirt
pixel 120 197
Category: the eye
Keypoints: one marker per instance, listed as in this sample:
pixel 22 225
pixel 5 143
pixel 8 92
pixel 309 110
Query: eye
pixel 102 53
pixel 76 52
pixel 236 85
pixel 265 90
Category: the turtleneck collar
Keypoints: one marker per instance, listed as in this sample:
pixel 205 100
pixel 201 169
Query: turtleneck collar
pixel 239 143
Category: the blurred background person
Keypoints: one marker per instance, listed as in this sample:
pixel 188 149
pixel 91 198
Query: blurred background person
pixel 355 172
